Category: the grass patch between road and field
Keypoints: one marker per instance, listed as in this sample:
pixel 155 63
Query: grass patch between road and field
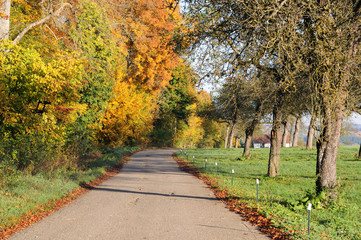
pixel 277 196
pixel 25 192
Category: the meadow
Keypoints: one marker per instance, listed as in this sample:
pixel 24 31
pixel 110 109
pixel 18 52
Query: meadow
pixel 284 199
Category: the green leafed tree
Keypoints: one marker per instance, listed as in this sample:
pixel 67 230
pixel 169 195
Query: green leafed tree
pixel 174 105
pixel 300 45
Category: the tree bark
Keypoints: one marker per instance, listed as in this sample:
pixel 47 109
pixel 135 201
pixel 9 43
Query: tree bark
pixel 231 135
pixel 286 133
pixel 41 21
pixel 247 144
pixel 359 152
pixel 226 137
pixel 327 149
pixel 276 137
pixel 250 130
pixel 296 132
pixel 310 134
pixel 249 136
pixel 5 19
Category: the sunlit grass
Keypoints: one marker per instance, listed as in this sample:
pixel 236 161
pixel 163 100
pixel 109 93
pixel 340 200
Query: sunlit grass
pixel 296 179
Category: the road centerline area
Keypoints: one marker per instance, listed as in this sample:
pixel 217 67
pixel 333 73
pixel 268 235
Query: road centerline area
pixel 149 199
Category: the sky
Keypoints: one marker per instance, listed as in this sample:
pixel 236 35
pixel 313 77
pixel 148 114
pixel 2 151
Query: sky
pixel 355 118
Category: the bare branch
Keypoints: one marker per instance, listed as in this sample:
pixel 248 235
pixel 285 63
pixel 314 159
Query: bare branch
pixel 41 21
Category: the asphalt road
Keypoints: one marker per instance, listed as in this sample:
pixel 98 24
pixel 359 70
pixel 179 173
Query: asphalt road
pixel 149 199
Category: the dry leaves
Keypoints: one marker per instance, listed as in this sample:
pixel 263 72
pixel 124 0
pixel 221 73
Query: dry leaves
pixel 44 210
pixel 249 214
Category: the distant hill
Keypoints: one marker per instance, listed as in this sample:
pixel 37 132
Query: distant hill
pixel 351 133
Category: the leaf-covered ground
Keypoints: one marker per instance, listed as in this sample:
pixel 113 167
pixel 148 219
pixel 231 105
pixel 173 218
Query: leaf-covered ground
pixel 250 214
pixel 40 212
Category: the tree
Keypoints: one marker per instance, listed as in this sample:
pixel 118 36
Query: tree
pixel 296 131
pixel 128 118
pixel 38 99
pixel 228 107
pixel 254 46
pixel 146 29
pixel 48 11
pixel 174 105
pixel 310 133
pixel 92 36
pixel 5 19
pixel 333 42
pixel 286 133
pixel 314 43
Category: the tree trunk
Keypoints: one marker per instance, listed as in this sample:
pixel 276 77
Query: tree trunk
pixel 276 137
pixel 310 134
pixel 247 145
pixel 231 135
pixel 296 132
pixel 359 152
pixel 250 130
pixel 226 137
pixel 286 133
pixel 327 149
pixel 5 19
pixel 249 136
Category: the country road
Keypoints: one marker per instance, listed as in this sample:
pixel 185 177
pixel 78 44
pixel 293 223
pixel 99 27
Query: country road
pixel 149 199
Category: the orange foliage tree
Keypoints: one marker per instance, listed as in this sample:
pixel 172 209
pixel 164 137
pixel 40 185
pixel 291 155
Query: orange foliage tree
pixel 146 29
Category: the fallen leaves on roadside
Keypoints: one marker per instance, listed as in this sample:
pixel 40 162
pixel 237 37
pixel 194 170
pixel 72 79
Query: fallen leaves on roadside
pixel 45 210
pixel 249 214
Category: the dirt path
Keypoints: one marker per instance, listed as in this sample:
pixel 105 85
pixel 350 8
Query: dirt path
pixel 150 199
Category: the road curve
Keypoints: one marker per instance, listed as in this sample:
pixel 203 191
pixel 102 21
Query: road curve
pixel 149 199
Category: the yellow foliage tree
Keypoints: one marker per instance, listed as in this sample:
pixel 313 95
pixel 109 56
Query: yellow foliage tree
pixel 129 116
pixel 192 133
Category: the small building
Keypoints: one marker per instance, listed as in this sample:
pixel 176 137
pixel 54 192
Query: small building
pixel 257 145
pixel 262 142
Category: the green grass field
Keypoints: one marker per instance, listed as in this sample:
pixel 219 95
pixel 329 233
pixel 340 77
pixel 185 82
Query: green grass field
pixel 24 192
pixel 284 198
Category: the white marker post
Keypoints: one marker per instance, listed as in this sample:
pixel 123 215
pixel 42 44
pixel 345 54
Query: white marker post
pixel 232 176
pixel 309 207
pixel 257 183
pixel 216 169
pixel 193 159
pixel 205 165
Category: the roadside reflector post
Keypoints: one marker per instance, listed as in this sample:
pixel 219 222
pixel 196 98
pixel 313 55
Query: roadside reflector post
pixel 309 207
pixel 193 159
pixel 257 183
pixel 205 165
pixel 216 169
pixel 232 176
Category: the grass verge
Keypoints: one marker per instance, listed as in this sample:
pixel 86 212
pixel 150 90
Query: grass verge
pixel 29 198
pixel 283 199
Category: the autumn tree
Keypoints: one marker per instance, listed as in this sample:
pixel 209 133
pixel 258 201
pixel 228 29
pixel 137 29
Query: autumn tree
pixel 128 118
pixel 174 105
pixel 146 30
pixel 212 137
pixel 5 19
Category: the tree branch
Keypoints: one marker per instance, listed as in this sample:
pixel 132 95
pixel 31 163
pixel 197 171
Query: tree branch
pixel 41 21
